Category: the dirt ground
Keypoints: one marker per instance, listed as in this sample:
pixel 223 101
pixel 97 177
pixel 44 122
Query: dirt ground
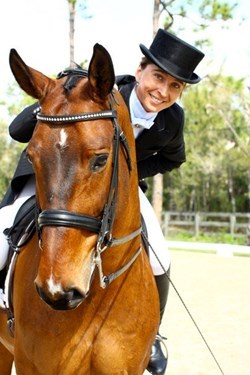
pixel 216 290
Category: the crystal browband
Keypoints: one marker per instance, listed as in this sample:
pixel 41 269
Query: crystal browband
pixel 76 118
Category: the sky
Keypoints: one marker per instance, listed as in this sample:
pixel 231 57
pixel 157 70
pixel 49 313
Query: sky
pixel 39 31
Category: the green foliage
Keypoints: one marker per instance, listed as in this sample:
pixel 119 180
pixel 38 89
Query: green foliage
pixel 208 10
pixel 200 14
pixel 9 155
pixel 17 100
pixel 215 176
pixel 215 9
pixel 9 149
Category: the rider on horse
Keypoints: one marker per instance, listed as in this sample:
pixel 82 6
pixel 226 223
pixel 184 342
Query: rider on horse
pixel 158 123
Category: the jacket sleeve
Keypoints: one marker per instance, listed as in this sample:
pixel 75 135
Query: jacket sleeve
pixel 22 127
pixel 167 158
pixel 161 163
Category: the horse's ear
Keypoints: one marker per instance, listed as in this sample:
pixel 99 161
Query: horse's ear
pixel 101 72
pixel 30 80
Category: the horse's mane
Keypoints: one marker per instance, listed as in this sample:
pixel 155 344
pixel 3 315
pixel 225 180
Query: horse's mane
pixel 74 74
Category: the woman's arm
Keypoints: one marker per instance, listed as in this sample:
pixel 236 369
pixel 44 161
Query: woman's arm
pixel 163 161
pixel 22 127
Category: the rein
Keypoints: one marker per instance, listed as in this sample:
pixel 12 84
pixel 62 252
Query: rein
pixel 104 225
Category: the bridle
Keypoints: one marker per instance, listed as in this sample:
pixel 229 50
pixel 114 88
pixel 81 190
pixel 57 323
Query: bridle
pixel 102 226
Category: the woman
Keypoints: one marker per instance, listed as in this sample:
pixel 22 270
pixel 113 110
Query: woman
pixel 157 122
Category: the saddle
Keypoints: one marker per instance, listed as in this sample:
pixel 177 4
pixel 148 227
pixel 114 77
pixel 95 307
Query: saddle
pixel 24 226
pixel 17 236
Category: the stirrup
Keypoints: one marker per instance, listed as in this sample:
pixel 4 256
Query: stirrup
pixel 162 340
pixel 158 361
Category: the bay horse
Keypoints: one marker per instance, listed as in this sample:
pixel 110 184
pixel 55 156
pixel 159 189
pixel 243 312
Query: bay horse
pixel 85 300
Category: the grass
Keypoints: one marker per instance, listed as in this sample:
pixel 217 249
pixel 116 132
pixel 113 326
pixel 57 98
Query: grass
pixel 218 237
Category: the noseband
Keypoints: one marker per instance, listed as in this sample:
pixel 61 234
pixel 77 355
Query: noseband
pixel 102 226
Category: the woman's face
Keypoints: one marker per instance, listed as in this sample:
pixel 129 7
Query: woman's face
pixel 156 89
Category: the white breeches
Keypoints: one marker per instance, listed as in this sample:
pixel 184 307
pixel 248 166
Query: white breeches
pixel 8 214
pixel 155 235
pixel 159 254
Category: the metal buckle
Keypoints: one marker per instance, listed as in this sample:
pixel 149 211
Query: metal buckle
pixel 11 325
pixel 98 263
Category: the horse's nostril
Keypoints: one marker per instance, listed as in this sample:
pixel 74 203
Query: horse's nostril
pixel 73 296
pixel 66 300
pixel 69 295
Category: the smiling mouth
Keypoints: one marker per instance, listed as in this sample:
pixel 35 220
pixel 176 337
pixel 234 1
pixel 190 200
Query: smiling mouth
pixel 155 99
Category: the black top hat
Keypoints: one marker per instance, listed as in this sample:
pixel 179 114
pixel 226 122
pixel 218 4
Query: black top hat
pixel 174 56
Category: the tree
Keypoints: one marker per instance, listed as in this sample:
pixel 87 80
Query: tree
pixel 199 12
pixel 72 13
pixel 72 5
pixel 215 176
pixel 157 193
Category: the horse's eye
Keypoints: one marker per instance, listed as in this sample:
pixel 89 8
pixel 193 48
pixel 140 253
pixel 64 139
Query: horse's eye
pixel 98 162
pixel 28 158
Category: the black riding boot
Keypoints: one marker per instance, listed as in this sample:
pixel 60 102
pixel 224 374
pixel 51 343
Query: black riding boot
pixel 158 361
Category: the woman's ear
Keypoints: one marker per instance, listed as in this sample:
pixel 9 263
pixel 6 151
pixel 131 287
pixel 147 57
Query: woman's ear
pixel 138 73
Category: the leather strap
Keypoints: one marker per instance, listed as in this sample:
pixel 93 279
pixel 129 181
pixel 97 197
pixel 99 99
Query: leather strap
pixel 65 119
pixel 66 218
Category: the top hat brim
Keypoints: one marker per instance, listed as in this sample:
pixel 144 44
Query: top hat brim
pixel 194 78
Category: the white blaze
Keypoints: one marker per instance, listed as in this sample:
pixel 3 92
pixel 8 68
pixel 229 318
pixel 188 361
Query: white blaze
pixel 54 287
pixel 63 138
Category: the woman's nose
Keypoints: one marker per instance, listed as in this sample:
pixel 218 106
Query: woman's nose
pixel 164 90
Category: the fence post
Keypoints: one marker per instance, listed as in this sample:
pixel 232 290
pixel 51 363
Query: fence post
pixel 232 224
pixel 165 224
pixel 196 224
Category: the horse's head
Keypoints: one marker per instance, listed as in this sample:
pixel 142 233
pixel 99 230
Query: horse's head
pixel 73 151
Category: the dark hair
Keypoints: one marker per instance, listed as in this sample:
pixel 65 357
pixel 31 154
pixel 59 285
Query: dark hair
pixel 145 62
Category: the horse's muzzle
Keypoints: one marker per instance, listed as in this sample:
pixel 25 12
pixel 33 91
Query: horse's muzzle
pixel 68 300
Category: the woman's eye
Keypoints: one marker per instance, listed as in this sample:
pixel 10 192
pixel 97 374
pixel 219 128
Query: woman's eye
pixel 177 86
pixel 98 162
pixel 158 77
